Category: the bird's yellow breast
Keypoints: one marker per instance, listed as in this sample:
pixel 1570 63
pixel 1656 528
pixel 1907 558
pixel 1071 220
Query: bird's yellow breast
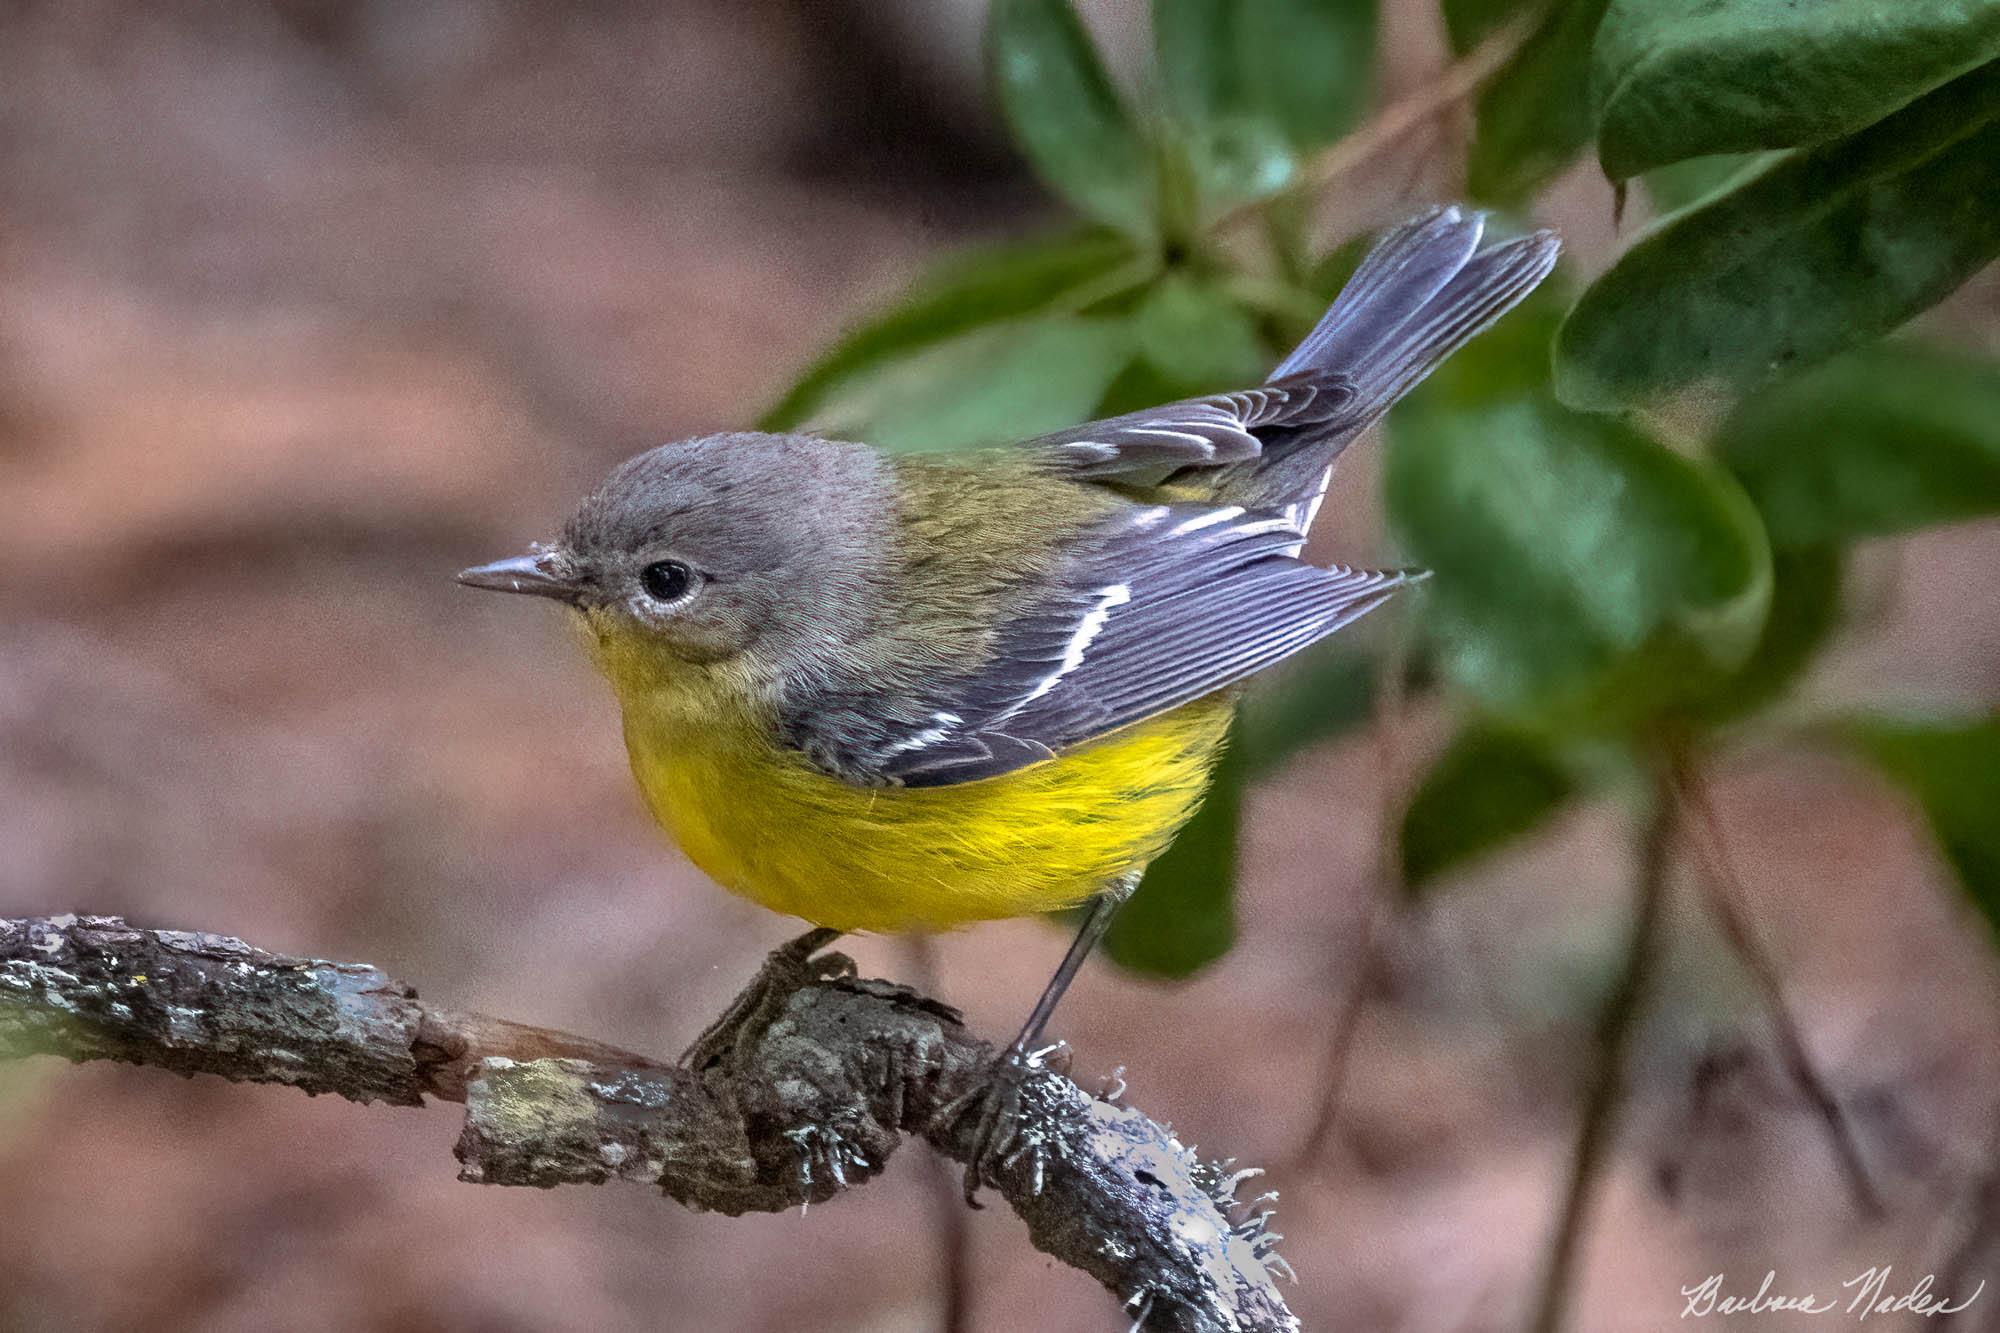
pixel 762 822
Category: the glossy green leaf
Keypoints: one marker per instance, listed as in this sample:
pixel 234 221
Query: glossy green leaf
pixel 1679 184
pixel 1886 439
pixel 1805 611
pixel 958 296
pixel 1534 116
pixel 996 384
pixel 1066 115
pixel 1198 339
pixel 1487 790
pixel 1184 915
pixel 1816 253
pixel 1953 770
pixel 1684 78
pixel 1585 576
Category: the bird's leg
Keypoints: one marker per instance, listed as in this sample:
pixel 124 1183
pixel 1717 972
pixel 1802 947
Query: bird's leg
pixel 1000 1137
pixel 790 966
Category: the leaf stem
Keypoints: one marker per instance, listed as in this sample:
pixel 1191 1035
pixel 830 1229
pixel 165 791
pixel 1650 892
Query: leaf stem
pixel 1597 1125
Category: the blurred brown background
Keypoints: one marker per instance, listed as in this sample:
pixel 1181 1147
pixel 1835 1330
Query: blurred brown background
pixel 305 304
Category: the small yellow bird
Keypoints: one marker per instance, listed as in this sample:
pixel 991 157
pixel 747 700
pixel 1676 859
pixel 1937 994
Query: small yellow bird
pixel 892 694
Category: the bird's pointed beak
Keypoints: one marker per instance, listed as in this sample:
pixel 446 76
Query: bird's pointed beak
pixel 538 574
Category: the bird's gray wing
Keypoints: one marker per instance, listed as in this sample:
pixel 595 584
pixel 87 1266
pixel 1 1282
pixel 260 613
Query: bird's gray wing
pixel 1196 432
pixel 1160 606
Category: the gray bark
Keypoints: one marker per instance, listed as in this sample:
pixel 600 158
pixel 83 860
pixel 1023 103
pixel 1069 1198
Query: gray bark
pixel 815 1106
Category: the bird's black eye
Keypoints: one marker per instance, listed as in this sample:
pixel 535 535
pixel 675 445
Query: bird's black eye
pixel 666 580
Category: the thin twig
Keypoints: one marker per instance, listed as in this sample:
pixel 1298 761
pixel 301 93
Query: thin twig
pixel 813 1105
pixel 1723 892
pixel 1453 84
pixel 1598 1121
pixel 1385 888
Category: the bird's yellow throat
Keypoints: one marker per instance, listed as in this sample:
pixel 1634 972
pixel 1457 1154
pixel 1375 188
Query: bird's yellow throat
pixel 761 822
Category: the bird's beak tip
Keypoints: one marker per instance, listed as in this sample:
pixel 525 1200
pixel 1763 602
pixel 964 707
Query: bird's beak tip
pixel 536 575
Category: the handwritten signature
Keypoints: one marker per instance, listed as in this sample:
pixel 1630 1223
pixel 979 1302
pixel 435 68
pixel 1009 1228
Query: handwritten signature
pixel 1870 1294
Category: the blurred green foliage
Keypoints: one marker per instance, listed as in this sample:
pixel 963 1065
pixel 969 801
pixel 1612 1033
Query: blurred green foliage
pixel 1534 117
pixel 1489 788
pixel 1953 770
pixel 1606 598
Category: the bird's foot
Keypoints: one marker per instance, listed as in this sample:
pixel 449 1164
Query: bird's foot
pixel 791 967
pixel 826 1158
pixel 1009 1125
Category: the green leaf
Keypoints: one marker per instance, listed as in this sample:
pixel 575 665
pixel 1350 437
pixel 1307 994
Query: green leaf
pixel 1805 610
pixel 1198 339
pixel 1067 116
pixel 1534 116
pixel 1953 769
pixel 1135 388
pixel 960 295
pixel 1253 83
pixel 1818 252
pixel 1183 916
pixel 1679 184
pixel 996 384
pixel 1326 691
pixel 1586 577
pixel 1886 439
pixel 1313 61
pixel 1301 66
pixel 1683 78
pixel 1485 791
pixel 1238 149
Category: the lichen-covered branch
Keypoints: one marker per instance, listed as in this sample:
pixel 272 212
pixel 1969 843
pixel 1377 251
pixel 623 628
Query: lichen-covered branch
pixel 815 1106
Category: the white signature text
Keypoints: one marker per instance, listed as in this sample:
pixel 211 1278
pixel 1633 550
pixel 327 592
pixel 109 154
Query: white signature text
pixel 1866 1293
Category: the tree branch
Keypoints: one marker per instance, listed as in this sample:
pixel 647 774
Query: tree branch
pixel 816 1106
pixel 1729 904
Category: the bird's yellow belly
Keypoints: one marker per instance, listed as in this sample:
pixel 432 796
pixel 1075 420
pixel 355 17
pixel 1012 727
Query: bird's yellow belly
pixel 762 823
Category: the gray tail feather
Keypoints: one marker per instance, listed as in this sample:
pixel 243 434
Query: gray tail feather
pixel 1423 291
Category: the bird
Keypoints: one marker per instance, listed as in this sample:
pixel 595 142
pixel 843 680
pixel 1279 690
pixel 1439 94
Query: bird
pixel 909 693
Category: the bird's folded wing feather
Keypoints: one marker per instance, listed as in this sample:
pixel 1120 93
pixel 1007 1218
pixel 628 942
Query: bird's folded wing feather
pixel 1165 604
pixel 1196 432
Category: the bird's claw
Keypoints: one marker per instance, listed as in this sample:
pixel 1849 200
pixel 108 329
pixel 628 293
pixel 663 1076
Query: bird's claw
pixel 825 1159
pixel 789 968
pixel 1003 1135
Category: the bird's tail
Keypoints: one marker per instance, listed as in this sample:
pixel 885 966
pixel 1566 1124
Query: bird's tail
pixel 1422 292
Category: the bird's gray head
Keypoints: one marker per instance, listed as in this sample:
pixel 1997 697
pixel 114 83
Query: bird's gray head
pixel 718 548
